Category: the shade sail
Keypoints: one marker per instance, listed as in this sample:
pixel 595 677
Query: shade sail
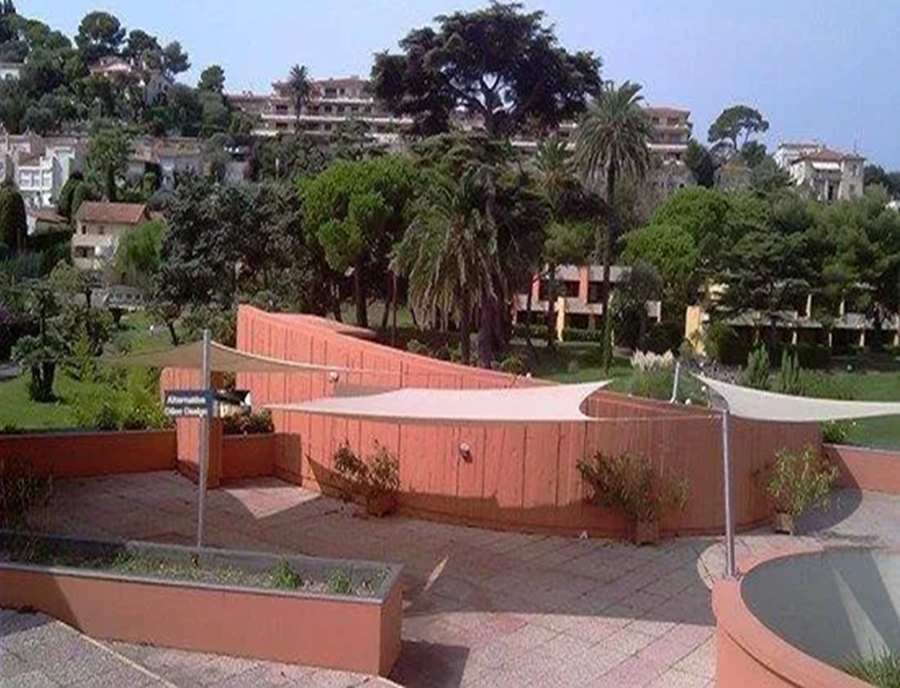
pixel 223 359
pixel 757 405
pixel 542 404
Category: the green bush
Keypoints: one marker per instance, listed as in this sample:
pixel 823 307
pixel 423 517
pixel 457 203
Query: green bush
pixel 572 334
pixel 513 364
pixel 665 336
pixel 836 431
pixel 655 383
pixel 756 374
pixel 800 482
pixel 414 346
pixel 790 379
pixel 339 583
pixel 724 345
pixel 538 330
pixel 248 423
pixel 284 577
pixel 816 356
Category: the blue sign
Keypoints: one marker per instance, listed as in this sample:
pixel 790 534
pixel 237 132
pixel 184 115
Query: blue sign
pixel 189 403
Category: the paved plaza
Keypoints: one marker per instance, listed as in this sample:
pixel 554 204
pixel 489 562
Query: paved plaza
pixel 481 608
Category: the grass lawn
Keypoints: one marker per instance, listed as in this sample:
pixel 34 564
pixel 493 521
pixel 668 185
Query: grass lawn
pixel 883 433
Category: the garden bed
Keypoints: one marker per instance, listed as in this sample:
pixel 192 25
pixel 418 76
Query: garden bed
pixel 340 614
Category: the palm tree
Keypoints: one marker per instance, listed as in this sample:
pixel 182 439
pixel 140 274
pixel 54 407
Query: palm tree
pixel 611 141
pixel 447 253
pixel 554 170
pixel 298 88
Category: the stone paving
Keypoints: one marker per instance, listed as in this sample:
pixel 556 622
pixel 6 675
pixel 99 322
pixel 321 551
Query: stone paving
pixel 481 608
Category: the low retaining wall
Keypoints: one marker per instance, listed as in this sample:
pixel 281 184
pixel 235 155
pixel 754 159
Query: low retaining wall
pixel 248 456
pixel 339 632
pixel 87 454
pixel 874 470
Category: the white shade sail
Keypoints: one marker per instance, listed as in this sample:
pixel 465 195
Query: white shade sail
pixel 757 405
pixel 223 359
pixel 540 404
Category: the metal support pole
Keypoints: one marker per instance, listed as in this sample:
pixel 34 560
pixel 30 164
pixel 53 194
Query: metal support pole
pixel 675 382
pixel 730 569
pixel 204 440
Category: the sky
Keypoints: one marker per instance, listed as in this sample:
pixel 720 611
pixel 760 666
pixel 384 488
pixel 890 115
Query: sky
pixel 825 70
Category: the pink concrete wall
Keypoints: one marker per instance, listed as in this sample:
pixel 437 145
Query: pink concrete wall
pixel 866 469
pixel 347 634
pixel 521 477
pixel 248 456
pixel 85 454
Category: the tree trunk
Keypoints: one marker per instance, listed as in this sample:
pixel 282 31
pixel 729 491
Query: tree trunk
pixel 387 305
pixel 393 309
pixel 111 185
pixel 362 315
pixel 170 324
pixel 335 294
pixel 465 331
pixel 528 343
pixel 551 307
pixel 608 243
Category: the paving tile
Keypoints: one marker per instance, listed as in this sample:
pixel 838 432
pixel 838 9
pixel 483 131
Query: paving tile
pixel 31 679
pixel 674 678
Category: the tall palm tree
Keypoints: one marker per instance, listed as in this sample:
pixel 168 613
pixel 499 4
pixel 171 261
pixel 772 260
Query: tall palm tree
pixel 298 88
pixel 553 165
pixel 447 253
pixel 612 141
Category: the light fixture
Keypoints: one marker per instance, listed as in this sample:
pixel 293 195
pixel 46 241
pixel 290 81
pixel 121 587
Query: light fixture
pixel 465 452
pixel 334 376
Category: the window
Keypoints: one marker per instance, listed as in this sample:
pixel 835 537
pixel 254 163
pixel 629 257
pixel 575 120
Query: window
pixel 281 109
pixel 101 230
pixel 327 109
pixel 595 292
pixel 340 109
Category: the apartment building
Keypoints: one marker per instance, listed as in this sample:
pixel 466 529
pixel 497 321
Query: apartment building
pixel 829 174
pixel 579 297
pixel 98 229
pixel 39 166
pixel 170 156
pixel 332 102
pixel 11 70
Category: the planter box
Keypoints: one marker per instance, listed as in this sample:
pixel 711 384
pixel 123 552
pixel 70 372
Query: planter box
pixel 350 633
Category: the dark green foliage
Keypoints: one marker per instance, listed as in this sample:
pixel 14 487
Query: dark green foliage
pixel 13 225
pixel 571 334
pixel 20 491
pixel 339 583
pixel 882 670
pixel 285 578
pixel 498 64
pixel 790 375
pixel 248 423
pixel 758 369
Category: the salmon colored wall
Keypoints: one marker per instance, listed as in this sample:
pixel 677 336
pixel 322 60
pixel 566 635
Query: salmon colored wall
pixel 749 654
pixel 350 635
pixel 77 454
pixel 866 469
pixel 248 456
pixel 521 477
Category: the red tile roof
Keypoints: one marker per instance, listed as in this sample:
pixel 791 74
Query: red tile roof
pixel 113 213
pixel 828 155
pixel 48 215
pixel 666 112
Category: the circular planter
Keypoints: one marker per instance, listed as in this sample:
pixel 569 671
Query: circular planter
pixel 795 619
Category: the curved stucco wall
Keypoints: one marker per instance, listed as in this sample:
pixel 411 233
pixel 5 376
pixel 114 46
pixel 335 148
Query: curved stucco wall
pixel 831 605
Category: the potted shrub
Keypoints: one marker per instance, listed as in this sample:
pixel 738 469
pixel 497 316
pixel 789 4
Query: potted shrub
pixel 631 485
pixel 798 483
pixel 376 479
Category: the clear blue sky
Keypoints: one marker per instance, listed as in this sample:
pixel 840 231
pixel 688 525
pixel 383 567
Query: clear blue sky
pixel 825 69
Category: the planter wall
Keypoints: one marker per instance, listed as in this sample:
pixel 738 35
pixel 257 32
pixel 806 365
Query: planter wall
pixel 521 477
pixel 87 454
pixel 866 469
pixel 248 456
pixel 345 633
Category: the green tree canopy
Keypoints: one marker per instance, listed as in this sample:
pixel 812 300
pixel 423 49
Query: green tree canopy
pixel 736 122
pixel 99 34
pixel 212 79
pixel 13 222
pixel 107 155
pixel 499 64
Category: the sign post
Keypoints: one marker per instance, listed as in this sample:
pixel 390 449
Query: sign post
pixel 197 403
pixel 730 568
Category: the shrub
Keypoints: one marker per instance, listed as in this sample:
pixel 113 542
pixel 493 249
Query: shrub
pixel 20 491
pixel 248 423
pixel 538 330
pixel 814 356
pixel 789 377
pixel 836 431
pixel 665 336
pixel 80 363
pixel 632 486
pixel 756 374
pixel 107 417
pixel 653 384
pixel 414 346
pixel 339 583
pixel 571 334
pixel 513 364
pixel 724 345
pixel 284 577
pixel 799 482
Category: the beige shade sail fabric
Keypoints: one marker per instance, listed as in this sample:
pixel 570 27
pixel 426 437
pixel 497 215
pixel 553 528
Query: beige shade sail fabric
pixel 754 404
pixel 223 359
pixel 539 404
